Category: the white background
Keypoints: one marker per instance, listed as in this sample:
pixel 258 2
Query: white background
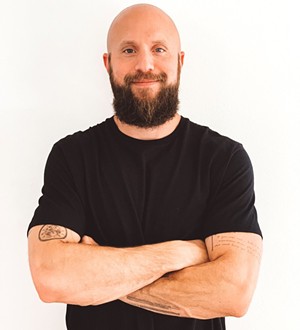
pixel 241 78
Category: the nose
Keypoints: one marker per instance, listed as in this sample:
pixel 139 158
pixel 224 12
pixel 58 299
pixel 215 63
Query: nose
pixel 144 62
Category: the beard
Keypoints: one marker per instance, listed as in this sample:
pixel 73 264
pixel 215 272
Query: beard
pixel 145 110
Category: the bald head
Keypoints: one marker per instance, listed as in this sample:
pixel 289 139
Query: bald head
pixel 146 19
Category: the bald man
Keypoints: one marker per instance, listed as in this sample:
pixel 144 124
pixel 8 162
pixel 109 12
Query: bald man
pixel 147 220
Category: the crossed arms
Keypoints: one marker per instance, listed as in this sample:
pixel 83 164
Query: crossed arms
pixel 194 279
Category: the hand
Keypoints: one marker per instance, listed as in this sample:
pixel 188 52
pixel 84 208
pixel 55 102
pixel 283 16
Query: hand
pixel 88 240
pixel 193 253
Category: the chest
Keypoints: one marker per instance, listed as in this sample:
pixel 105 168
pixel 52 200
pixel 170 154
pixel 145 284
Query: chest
pixel 135 198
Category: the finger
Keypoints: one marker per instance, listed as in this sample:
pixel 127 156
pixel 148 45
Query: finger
pixel 88 240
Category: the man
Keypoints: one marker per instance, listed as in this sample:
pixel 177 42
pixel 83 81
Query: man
pixel 147 220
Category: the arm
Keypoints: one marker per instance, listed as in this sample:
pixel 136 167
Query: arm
pixel 88 274
pixel 223 286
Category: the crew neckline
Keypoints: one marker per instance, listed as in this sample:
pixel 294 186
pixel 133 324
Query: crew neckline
pixel 162 140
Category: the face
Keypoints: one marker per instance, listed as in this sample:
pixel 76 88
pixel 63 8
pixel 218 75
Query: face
pixel 144 62
pixel 145 110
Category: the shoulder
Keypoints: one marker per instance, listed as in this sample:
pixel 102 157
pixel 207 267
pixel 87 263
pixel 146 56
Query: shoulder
pixel 218 155
pixel 79 147
pixel 83 140
pixel 210 142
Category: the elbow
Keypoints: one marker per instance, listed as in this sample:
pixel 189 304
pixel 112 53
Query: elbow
pixel 46 292
pixel 46 296
pixel 239 309
pixel 52 286
pixel 46 285
pixel 240 299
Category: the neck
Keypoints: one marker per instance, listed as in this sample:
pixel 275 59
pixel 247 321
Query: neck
pixel 153 133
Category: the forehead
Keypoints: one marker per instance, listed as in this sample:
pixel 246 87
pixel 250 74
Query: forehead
pixel 142 25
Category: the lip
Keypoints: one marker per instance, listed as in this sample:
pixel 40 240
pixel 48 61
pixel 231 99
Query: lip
pixel 145 82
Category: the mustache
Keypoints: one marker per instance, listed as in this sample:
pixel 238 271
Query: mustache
pixel 128 79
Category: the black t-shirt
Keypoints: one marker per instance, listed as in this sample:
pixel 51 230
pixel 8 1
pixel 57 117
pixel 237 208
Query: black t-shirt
pixel 127 192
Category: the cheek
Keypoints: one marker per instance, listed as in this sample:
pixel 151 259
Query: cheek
pixel 172 75
pixel 118 76
pixel 171 69
pixel 119 71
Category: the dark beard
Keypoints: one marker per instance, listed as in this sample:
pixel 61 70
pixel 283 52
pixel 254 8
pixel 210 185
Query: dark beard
pixel 145 111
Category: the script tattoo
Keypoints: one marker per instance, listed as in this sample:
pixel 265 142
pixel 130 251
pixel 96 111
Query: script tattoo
pixel 155 306
pixel 237 242
pixel 49 232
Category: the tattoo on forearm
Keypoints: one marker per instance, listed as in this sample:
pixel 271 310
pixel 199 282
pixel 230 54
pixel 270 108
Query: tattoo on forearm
pixel 154 306
pixel 50 232
pixel 237 242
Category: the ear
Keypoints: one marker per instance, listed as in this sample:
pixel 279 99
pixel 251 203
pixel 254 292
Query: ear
pixel 181 58
pixel 106 61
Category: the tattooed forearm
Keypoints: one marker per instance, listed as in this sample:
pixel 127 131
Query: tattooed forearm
pixel 236 242
pixel 169 309
pixel 50 232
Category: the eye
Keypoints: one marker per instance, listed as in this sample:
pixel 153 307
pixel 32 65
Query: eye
pixel 159 50
pixel 129 51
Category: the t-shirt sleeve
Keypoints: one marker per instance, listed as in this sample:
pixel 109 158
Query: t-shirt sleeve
pixel 231 206
pixel 60 204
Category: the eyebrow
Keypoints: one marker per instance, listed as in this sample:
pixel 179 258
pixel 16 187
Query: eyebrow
pixel 132 42
pixel 126 43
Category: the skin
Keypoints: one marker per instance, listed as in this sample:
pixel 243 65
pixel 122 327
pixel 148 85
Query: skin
pixel 81 272
pixel 194 279
pixel 221 286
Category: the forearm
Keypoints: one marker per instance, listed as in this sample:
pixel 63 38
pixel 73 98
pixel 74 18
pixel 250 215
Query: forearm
pixel 218 288
pixel 88 274
pixel 192 292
